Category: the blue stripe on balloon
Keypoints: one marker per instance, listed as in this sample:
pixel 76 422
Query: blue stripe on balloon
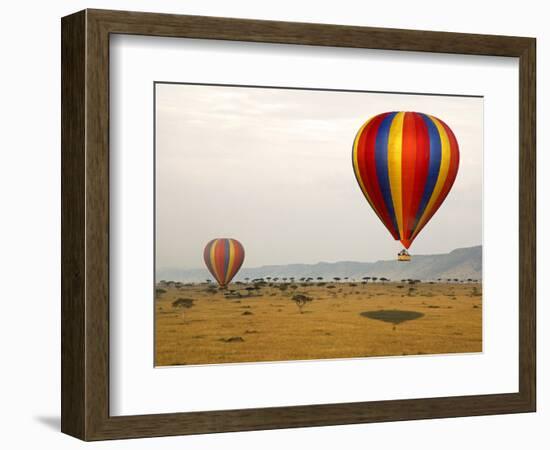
pixel 433 167
pixel 226 262
pixel 381 161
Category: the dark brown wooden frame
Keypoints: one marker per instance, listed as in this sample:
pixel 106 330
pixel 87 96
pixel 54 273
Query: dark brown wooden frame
pixel 85 224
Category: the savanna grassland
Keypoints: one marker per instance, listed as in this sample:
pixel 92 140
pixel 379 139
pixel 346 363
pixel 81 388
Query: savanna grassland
pixel 268 321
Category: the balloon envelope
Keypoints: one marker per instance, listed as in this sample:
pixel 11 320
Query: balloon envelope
pixel 405 164
pixel 223 258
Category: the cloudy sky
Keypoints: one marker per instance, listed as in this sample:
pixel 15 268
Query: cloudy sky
pixel 272 168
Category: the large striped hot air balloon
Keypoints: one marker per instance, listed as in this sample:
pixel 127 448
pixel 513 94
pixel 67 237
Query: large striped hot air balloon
pixel 223 258
pixel 405 164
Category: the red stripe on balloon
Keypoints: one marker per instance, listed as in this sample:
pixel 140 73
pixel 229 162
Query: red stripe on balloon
pixel 361 162
pixel 421 172
pixel 451 174
pixel 219 260
pixel 408 167
pixel 238 258
pixel 367 171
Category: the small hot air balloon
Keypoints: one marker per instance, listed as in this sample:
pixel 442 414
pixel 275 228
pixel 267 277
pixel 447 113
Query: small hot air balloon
pixel 223 258
pixel 405 164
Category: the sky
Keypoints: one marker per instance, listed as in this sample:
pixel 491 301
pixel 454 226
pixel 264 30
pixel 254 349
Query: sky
pixel 272 168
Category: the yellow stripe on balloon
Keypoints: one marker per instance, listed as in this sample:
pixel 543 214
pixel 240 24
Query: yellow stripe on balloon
pixel 213 259
pixel 443 172
pixel 231 261
pixel 395 148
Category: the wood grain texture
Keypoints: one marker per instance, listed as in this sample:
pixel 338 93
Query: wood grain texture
pixel 85 224
pixel 73 226
pixel 97 225
pixel 527 224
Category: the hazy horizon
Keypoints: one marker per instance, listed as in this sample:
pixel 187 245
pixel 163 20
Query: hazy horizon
pixel 460 263
pixel 272 168
pixel 293 263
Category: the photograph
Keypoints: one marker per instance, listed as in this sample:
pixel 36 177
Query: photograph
pixel 300 224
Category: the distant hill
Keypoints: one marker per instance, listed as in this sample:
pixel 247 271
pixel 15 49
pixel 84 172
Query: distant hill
pixel 461 263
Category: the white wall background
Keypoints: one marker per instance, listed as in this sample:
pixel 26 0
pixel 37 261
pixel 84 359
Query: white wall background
pixel 30 225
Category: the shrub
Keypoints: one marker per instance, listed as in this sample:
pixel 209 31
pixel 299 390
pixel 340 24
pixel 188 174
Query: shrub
pixel 475 292
pixel 301 300
pixel 183 304
pixel 232 294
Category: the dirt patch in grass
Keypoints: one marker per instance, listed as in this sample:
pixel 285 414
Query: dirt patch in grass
pixel 232 339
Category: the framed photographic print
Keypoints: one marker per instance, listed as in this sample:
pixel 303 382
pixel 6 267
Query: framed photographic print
pixel 266 224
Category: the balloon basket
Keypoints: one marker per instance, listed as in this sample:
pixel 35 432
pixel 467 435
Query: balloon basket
pixel 403 256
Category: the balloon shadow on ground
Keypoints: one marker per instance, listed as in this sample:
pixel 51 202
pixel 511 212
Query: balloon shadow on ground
pixel 393 316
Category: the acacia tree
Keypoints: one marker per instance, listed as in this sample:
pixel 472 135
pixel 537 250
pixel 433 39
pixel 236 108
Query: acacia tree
pixel 300 300
pixel 183 304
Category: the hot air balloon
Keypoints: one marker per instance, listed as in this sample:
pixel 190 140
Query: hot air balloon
pixel 223 258
pixel 405 164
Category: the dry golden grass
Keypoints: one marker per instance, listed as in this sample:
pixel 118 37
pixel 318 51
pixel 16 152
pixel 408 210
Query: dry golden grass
pixel 270 327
